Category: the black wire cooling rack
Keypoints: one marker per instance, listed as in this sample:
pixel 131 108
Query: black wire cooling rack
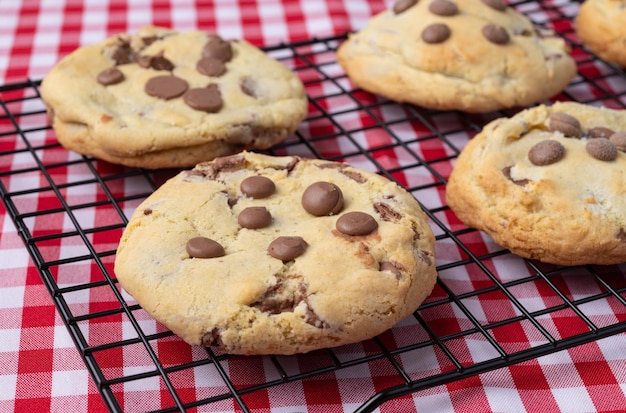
pixel 39 183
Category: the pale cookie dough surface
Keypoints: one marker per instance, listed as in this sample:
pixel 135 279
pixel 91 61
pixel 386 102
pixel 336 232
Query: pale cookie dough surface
pixel 336 288
pixel 601 26
pixel 467 71
pixel 260 101
pixel 561 203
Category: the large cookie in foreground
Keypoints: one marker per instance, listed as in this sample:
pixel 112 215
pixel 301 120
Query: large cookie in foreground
pixel 160 98
pixel 471 55
pixel 548 184
pixel 277 255
pixel 601 25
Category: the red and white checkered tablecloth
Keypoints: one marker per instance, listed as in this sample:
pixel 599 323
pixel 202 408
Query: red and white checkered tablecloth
pixel 40 368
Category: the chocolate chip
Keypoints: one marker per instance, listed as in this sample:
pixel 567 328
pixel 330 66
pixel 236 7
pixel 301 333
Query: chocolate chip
pixel 602 149
pixel 257 187
pixel 600 132
pixel 322 198
pixel 287 248
pixel 496 4
pixel 436 33
pixel 386 212
pixel 217 48
pixel 156 62
pixel 147 211
pixel 506 171
pixel 211 66
pixel 207 99
pixel 110 76
pixel 619 140
pixel 356 223
pixel 201 247
pixel 621 235
pixel 443 8
pixel 546 152
pixel 496 34
pixel 212 338
pixel 166 87
pixel 249 87
pixel 148 40
pixel 254 217
pixel 566 124
pixel 402 5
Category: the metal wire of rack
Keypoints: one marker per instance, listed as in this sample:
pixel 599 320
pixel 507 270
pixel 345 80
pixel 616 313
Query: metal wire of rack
pixel 412 146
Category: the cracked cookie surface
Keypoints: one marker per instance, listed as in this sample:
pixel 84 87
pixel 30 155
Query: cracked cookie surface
pixel 159 98
pixel 344 255
pixel 470 55
pixel 548 184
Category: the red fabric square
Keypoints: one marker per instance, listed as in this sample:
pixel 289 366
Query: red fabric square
pixel 529 377
pixel 35 361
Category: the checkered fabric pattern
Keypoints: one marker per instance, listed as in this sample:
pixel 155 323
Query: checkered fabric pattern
pixel 487 307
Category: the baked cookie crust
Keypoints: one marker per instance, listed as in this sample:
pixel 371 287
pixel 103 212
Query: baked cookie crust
pixel 600 25
pixel 548 184
pixel 344 255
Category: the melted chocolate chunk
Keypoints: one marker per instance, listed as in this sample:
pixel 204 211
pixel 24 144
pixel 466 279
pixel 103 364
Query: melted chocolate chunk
pixel 123 54
pixel 386 212
pixel 602 149
pixel 496 4
pixel 393 267
pixel 211 66
pixel 436 33
pixel 621 235
pixel 546 152
pixel 166 87
pixel 207 99
pixel 217 48
pixel 506 171
pixel 356 223
pixel 287 248
pixel 566 124
pixel 443 8
pixel 249 87
pixel 213 338
pixel 254 217
pixel 403 5
pixel 496 34
pixel 619 140
pixel 226 164
pixel 257 187
pixel 110 76
pixel 600 132
pixel 201 247
pixel 322 199
pixel 147 211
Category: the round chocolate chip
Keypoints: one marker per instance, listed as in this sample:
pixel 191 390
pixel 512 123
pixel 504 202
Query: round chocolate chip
pixel 436 33
pixel 322 198
pixel 207 99
pixel 600 132
pixel 566 124
pixel 257 187
pixel 211 66
pixel 166 87
pixel 110 76
pixel 496 4
pixel 356 223
pixel 156 62
pixel 602 149
pixel 619 140
pixel 546 152
pixel 402 5
pixel 254 217
pixel 201 247
pixel 496 34
pixel 217 48
pixel 443 8
pixel 287 248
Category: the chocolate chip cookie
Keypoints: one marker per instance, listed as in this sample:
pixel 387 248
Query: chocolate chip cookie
pixel 277 255
pixel 548 184
pixel 470 55
pixel 160 98
pixel 600 25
